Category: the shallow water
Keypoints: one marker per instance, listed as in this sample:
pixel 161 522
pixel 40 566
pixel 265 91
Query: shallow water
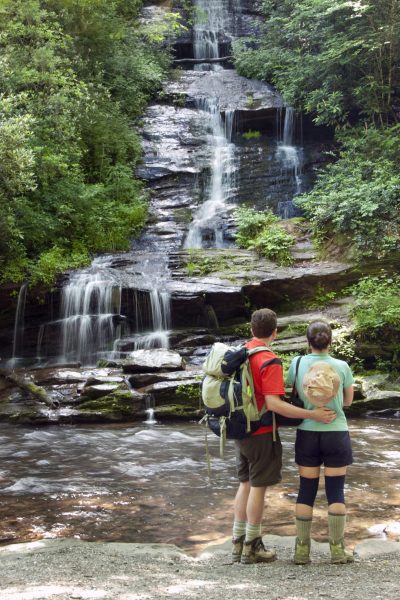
pixel 150 484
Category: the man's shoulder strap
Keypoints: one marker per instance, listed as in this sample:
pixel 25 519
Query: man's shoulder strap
pixel 271 361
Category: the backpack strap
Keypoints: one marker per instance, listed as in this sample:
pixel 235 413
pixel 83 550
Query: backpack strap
pixel 272 361
pixel 295 375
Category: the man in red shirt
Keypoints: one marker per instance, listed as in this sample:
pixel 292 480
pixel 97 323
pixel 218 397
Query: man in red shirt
pixel 259 457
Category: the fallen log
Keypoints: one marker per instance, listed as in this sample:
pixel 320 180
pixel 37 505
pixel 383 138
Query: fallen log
pixel 35 390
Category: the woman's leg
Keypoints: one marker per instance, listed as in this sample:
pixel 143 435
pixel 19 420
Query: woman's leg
pixel 334 489
pixel 309 480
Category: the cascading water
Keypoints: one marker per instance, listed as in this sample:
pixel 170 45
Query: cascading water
pixel 93 322
pixel 210 20
pixel 291 157
pixel 90 317
pixel 206 228
pixel 19 326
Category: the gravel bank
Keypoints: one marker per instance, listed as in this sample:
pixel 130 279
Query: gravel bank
pixel 73 570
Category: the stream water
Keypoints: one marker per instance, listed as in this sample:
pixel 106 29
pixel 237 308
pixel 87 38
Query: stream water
pixel 150 484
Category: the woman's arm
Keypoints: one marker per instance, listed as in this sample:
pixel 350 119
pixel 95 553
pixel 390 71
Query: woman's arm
pixel 348 395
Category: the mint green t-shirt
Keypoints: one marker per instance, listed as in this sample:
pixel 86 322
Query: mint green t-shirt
pixel 336 404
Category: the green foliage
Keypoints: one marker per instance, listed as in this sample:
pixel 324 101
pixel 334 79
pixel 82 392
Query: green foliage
pixel 55 260
pixel 202 263
pixel 376 312
pixel 251 135
pixel 75 77
pixel 263 232
pixel 357 199
pixel 344 347
pixel 321 297
pixel 329 58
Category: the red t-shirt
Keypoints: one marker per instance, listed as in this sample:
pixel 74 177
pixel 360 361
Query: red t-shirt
pixel 267 381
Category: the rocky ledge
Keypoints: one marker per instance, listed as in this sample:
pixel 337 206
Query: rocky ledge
pixel 166 383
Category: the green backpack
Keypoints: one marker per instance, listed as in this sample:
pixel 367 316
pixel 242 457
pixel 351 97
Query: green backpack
pixel 228 392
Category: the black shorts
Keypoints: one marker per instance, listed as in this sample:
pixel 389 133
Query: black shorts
pixel 330 448
pixel 259 460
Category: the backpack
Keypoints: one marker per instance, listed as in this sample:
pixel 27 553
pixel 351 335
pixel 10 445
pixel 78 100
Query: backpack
pixel 228 392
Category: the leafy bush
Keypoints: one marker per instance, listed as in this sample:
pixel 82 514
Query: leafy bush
pixel 356 200
pixel 376 311
pixel 263 232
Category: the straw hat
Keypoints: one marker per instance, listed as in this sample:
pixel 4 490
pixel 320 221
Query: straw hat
pixel 321 383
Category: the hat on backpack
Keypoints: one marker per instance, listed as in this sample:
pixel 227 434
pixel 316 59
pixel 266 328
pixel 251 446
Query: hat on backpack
pixel 320 383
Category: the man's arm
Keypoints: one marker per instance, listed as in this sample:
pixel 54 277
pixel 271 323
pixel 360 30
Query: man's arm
pixel 322 415
pixel 348 395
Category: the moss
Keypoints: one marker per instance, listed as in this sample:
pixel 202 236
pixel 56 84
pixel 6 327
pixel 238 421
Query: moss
pixel 119 403
pixel 188 394
pixel 177 411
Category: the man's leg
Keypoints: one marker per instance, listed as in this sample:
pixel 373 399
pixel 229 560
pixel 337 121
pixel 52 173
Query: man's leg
pixel 240 520
pixel 253 549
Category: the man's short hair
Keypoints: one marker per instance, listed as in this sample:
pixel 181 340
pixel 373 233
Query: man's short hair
pixel 263 322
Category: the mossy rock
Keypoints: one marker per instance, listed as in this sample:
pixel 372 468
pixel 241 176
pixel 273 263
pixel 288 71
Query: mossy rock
pixel 119 405
pixel 172 412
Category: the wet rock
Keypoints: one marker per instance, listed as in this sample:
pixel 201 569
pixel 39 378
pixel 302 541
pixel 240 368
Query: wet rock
pixel 92 392
pixel 141 380
pixel 148 361
pixel 196 340
pixel 233 91
pixel 380 397
pixel 181 393
pixel 56 376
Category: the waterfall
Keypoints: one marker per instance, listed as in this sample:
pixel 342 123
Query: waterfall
pixel 90 317
pixel 210 20
pixel 19 325
pixel 206 227
pixel 93 322
pixel 291 157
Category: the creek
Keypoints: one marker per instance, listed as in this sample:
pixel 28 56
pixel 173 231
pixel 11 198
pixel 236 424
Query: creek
pixel 149 483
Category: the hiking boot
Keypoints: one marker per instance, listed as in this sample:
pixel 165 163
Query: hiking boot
pixel 302 552
pixel 237 548
pixel 255 552
pixel 339 554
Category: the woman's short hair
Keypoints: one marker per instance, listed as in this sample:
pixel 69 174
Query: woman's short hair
pixel 319 334
pixel 263 322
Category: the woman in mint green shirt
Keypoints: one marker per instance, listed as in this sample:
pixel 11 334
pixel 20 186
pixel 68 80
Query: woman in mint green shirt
pixel 322 380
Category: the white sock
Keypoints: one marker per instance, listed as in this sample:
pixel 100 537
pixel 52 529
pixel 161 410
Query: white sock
pixel 252 532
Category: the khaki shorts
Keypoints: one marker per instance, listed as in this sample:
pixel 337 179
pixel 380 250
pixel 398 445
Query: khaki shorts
pixel 259 460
